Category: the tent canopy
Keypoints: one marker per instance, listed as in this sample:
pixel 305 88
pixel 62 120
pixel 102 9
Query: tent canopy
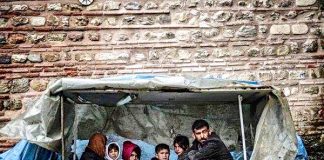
pixel 155 108
pixel 112 97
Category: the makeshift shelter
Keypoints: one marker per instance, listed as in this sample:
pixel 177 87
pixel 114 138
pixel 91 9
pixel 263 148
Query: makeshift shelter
pixel 246 115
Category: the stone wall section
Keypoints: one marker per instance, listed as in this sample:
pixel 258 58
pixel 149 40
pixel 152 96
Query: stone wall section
pixel 278 42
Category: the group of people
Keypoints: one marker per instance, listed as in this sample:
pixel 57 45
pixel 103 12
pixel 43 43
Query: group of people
pixel 206 146
pixel 97 150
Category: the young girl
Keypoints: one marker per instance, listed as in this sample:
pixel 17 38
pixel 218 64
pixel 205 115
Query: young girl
pixel 131 151
pixel 180 144
pixel 112 151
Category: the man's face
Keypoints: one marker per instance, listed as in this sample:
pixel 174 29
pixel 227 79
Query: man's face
pixel 113 153
pixel 178 149
pixel 163 154
pixel 201 134
pixel 133 156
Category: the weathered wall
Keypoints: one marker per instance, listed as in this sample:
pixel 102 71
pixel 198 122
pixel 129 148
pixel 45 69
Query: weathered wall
pixel 274 41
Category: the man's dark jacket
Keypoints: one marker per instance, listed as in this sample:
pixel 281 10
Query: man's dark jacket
pixel 88 154
pixel 211 149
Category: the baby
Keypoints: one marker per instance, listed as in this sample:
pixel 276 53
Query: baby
pixel 112 151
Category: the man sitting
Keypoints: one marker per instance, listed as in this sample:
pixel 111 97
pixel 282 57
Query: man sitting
pixel 206 145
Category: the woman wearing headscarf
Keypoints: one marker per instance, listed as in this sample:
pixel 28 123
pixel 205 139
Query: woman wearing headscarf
pixel 131 151
pixel 96 148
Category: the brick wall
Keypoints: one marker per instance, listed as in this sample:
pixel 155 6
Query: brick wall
pixel 277 42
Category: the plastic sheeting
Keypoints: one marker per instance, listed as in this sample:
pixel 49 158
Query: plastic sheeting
pixel 25 150
pixel 28 151
pixel 302 153
pixel 40 124
pixel 274 131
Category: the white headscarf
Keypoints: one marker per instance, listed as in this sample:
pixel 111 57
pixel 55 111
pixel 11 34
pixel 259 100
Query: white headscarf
pixel 107 153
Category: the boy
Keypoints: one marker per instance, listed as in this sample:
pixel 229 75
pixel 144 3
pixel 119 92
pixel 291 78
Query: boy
pixel 162 152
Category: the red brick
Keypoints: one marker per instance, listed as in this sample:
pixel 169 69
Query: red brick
pixel 16 65
pixel 10 77
pixel 9 46
pixel 5 71
pixel 69 64
pixel 30 75
pixel 15 50
pixel 53 69
pixel 20 70
pixel 49 74
pixel 318 56
pixel 44 65
pixel 103 67
pixel 60 64
pixel 85 73
pixel 311 65
pixel 111 72
pixel 41 46
pixel 71 73
pixel 99 72
pixel 7 145
pixel 4 96
pixel 70 69
pixel 5 119
pixel 35 69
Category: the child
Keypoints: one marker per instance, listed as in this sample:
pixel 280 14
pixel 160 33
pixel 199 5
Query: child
pixel 162 152
pixel 112 151
pixel 131 151
pixel 180 144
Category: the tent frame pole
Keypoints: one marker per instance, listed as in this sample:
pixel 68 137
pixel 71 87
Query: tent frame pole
pixel 75 132
pixel 62 128
pixel 240 99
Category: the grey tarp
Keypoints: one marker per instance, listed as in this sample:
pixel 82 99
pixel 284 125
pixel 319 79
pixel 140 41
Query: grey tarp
pixel 40 124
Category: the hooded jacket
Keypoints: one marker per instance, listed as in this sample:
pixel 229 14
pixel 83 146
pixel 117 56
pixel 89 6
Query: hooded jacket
pixel 211 149
pixel 107 152
pixel 128 148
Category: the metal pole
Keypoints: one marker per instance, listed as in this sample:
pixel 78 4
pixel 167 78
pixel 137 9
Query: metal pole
pixel 75 132
pixel 240 98
pixel 62 128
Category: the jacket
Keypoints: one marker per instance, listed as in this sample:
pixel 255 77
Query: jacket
pixel 88 154
pixel 211 149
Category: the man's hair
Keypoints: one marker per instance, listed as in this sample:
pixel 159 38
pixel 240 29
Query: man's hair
pixel 198 124
pixel 113 146
pixel 160 147
pixel 182 141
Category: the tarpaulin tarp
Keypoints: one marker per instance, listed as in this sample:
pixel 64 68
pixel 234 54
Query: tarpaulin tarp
pixel 25 150
pixel 302 153
pixel 125 115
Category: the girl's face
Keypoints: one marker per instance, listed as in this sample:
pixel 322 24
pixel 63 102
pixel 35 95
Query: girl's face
pixel 178 149
pixel 133 156
pixel 113 153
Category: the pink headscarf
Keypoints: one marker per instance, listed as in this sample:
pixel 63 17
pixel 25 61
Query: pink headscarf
pixel 128 148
